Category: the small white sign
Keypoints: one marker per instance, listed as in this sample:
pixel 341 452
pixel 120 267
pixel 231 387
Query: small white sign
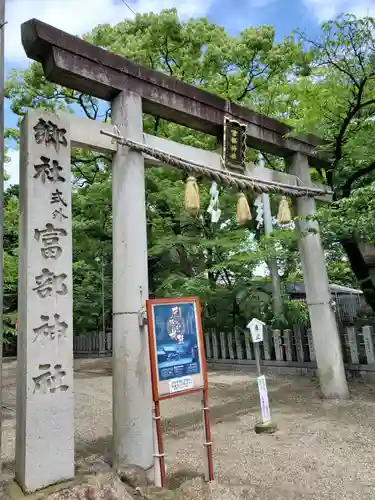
pixel 263 397
pixel 256 329
pixel 180 384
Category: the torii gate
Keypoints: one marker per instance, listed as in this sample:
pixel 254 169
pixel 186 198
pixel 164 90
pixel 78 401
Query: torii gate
pixel 45 406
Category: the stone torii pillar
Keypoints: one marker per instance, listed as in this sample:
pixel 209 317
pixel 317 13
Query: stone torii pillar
pixel 45 397
pixel 132 396
pixel 325 334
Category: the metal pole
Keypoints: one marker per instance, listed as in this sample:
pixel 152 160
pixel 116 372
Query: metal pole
pixel 103 305
pixel 209 474
pixel 272 264
pixel 2 102
pixel 266 425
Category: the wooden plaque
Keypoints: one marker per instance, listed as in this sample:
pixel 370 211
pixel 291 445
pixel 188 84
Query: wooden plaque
pixel 234 146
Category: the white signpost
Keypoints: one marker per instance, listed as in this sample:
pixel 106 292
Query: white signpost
pixel 266 425
pixel 256 329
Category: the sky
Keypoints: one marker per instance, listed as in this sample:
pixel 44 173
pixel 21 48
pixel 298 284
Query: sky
pixel 80 16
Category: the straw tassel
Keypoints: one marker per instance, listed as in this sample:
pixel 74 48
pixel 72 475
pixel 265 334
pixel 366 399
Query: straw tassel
pixel 283 215
pixel 243 214
pixel 192 200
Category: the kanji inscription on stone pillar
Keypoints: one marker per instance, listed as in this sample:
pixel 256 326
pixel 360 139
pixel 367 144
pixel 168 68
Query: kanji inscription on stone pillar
pixel 45 403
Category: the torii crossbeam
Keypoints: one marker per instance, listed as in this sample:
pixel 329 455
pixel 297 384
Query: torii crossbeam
pixel 77 64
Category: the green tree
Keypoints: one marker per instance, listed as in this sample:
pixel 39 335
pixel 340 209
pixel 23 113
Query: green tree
pixel 10 261
pixel 186 255
pixel 337 100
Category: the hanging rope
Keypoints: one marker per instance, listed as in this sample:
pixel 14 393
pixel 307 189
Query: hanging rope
pixel 227 178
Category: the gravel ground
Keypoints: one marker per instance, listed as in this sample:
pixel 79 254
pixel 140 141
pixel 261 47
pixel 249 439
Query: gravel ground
pixel 323 449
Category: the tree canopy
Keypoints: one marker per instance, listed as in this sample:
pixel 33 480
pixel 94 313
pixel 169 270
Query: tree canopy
pixel 323 86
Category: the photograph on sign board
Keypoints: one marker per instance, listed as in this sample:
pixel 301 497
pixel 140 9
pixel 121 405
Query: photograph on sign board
pixel 178 362
pixel 176 336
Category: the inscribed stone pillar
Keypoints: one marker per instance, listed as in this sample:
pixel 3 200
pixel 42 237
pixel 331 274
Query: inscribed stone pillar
pixel 45 399
pixel 132 397
pixel 323 322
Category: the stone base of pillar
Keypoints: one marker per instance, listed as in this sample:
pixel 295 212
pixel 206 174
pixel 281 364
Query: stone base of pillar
pixel 265 427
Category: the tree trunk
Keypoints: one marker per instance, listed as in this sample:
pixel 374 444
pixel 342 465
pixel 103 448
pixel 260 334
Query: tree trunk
pixel 364 271
pixel 152 271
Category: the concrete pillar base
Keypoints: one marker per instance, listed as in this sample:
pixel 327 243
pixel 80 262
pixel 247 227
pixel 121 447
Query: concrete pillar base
pixel 265 427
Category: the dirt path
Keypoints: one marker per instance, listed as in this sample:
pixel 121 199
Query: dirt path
pixel 323 450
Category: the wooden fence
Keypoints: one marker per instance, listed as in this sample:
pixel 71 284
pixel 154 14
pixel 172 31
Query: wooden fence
pixel 290 348
pixel 93 344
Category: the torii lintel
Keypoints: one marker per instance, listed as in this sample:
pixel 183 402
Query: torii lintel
pixel 70 61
